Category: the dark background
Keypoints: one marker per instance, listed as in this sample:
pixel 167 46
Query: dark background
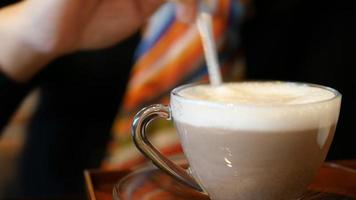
pixel 308 41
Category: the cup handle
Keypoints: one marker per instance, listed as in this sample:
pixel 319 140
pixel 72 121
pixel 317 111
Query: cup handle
pixel 139 125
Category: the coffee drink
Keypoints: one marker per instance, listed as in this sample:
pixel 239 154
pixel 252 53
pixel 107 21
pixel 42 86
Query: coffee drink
pixel 255 140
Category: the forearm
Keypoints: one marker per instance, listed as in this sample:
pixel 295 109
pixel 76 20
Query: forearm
pixel 34 32
pixel 19 59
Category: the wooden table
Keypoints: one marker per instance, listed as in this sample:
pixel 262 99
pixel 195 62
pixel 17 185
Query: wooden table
pixel 338 177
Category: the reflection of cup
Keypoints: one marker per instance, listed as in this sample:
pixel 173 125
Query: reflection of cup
pixel 252 140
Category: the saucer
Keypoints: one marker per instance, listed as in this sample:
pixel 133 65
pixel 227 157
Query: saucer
pixel 150 183
pixel 153 184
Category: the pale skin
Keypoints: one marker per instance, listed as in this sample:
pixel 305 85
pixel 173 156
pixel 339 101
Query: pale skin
pixel 34 32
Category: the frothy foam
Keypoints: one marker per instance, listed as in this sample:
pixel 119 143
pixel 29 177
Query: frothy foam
pixel 258 93
pixel 256 106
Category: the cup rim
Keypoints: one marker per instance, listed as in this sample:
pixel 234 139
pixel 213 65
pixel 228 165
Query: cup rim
pixel 337 95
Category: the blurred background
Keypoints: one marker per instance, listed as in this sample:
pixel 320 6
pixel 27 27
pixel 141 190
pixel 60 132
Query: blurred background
pixel 12 140
pixel 295 40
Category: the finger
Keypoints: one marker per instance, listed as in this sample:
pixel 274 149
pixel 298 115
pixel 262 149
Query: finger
pixel 186 10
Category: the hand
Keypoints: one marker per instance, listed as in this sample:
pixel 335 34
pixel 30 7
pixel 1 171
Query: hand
pixel 33 32
pixel 69 25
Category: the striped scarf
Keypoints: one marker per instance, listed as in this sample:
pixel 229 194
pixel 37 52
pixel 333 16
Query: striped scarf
pixel 170 54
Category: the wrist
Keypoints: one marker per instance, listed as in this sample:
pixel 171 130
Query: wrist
pixel 20 58
pixel 21 61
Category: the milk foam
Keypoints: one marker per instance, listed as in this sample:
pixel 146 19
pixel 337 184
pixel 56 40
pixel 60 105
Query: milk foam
pixel 259 106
